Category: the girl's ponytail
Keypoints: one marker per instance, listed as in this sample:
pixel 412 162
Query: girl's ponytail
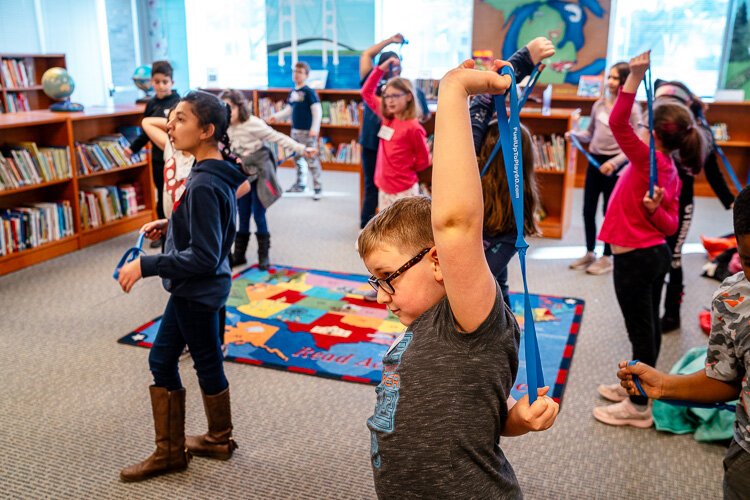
pixel 675 127
pixel 225 143
pixel 692 150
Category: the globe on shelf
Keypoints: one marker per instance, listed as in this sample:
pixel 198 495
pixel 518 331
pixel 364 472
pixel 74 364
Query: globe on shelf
pixel 142 80
pixel 59 85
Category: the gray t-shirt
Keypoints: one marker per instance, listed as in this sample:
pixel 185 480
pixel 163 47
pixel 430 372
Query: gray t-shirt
pixel 729 346
pixel 441 408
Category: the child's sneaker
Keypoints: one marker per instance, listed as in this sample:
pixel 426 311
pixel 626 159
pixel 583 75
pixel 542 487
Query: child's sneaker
pixel 613 392
pixel 583 262
pixel 296 189
pixel 316 194
pixel 624 413
pixel 601 266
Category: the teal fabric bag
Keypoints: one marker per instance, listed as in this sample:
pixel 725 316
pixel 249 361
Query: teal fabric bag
pixel 705 424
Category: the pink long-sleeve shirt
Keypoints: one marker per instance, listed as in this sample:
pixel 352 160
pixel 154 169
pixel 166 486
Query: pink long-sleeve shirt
pixel 405 154
pixel 628 223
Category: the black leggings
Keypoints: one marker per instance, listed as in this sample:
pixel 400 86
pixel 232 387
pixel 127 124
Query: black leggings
pixel 676 241
pixel 596 184
pixel 370 203
pixel 639 278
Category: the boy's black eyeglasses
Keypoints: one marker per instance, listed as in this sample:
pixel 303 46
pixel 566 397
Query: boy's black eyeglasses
pixel 385 283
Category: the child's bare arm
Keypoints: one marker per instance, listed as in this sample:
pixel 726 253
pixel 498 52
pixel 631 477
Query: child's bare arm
pixel 697 386
pixel 156 129
pixel 457 204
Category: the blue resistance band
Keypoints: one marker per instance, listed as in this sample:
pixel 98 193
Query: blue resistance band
pixel 720 152
pixel 653 178
pixel 574 141
pixel 530 86
pixel 130 255
pixel 687 404
pixel 289 157
pixel 510 138
pixel 527 92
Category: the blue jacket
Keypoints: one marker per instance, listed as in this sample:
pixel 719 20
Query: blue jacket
pixel 194 264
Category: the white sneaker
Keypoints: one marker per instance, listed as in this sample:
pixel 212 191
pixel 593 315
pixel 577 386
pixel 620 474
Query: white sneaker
pixel 624 413
pixel 584 262
pixel 613 392
pixel 601 266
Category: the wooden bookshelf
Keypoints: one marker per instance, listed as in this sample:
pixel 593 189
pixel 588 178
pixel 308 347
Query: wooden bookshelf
pixel 555 186
pixel 737 149
pixel 65 129
pixel 34 93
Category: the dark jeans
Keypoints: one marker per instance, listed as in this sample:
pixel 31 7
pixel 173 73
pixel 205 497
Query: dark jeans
pixel 188 322
pixel 676 241
pixel 596 184
pixel 370 203
pixel 157 168
pixel 498 250
pixel 736 472
pixel 250 206
pixel 639 277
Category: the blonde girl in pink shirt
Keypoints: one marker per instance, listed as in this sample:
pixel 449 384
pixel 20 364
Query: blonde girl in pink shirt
pixel 402 151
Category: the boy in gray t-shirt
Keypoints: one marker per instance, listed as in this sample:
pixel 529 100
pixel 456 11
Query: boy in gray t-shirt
pixel 444 399
pixel 727 365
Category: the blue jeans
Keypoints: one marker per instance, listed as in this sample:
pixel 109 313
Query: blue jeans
pixel 188 322
pixel 370 203
pixel 250 205
pixel 498 250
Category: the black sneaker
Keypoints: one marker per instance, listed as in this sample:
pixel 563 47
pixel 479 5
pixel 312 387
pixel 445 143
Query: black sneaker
pixel 669 324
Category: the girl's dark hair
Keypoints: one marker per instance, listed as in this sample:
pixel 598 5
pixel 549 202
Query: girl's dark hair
pixel 742 213
pixel 238 100
pixel 498 210
pixel 210 110
pixel 676 129
pixel 623 70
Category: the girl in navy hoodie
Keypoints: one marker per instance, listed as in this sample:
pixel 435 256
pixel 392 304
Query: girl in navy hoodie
pixel 195 270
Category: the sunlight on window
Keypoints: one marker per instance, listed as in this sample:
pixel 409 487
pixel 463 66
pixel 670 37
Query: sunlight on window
pixel 438 31
pixel 227 43
pixel 685 37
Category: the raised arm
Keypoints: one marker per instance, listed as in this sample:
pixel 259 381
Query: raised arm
pixel 457 203
pixel 368 89
pixel 619 120
pixel 156 130
pixel 367 55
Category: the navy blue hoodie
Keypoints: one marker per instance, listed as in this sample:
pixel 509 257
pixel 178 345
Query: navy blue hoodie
pixel 194 264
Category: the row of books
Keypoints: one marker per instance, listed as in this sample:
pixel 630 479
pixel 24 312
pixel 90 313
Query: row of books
pixel 549 154
pixel 103 204
pixel 340 112
pixel 104 153
pixel 16 102
pixel 25 164
pixel 33 225
pixel 429 87
pixel 350 152
pixel 16 73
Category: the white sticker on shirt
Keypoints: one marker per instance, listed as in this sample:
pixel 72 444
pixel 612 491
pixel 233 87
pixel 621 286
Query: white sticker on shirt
pixel 386 133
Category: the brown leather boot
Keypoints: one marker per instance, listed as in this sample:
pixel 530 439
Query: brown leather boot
pixel 217 442
pixel 171 455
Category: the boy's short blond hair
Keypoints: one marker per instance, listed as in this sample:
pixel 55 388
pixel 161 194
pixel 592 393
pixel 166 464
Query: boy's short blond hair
pixel 407 225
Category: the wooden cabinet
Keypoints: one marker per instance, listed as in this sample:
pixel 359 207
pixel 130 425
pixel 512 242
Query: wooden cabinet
pixel 21 80
pixel 46 128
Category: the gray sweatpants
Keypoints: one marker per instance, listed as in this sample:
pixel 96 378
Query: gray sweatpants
pixel 736 472
pixel 303 137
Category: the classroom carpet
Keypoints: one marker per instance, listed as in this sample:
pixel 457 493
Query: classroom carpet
pixel 318 323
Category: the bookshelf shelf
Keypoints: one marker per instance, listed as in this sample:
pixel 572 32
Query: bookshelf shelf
pixel 32 187
pixel 116 170
pixel 65 129
pixel 20 80
pixel 19 260
pixel 115 228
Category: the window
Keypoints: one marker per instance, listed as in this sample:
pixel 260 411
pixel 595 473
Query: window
pixel 686 38
pixel 438 31
pixel 227 43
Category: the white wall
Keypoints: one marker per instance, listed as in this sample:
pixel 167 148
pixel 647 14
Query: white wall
pixel 18 29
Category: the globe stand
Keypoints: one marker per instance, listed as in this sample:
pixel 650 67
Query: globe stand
pixel 143 100
pixel 66 106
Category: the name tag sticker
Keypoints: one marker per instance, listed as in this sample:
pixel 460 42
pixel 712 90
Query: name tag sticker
pixel 386 133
